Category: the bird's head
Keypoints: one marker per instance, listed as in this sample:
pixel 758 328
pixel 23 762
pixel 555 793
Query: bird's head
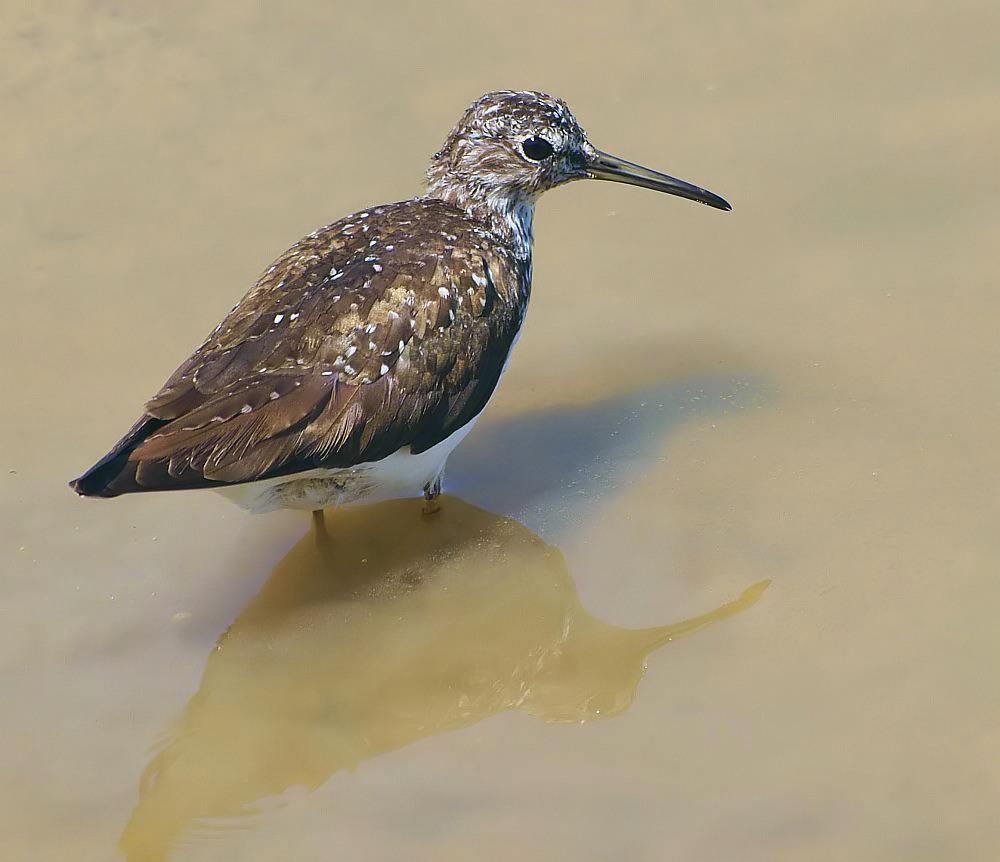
pixel 510 146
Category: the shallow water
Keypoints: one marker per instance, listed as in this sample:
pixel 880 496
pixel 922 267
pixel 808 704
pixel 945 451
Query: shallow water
pixel 780 421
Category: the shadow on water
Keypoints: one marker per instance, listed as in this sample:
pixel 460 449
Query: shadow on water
pixel 361 646
pixel 404 626
pixel 545 468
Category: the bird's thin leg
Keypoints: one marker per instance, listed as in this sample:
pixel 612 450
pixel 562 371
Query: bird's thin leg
pixel 431 492
pixel 319 527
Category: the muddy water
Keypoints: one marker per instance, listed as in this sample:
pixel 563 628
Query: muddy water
pixel 780 421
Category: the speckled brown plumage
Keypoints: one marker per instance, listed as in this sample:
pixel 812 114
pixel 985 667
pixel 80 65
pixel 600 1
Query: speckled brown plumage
pixel 362 338
pixel 384 331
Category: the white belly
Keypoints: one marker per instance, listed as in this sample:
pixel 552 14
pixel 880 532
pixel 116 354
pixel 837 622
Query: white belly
pixel 399 475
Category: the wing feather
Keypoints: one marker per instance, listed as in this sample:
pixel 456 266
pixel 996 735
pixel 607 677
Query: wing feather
pixel 358 341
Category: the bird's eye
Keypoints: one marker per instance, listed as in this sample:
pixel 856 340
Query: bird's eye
pixel 536 148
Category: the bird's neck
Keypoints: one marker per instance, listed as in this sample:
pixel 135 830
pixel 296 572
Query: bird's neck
pixel 507 215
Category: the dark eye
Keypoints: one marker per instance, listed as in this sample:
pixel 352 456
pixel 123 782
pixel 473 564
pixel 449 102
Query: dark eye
pixel 536 149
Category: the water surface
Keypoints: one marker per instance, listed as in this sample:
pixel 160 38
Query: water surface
pixel 800 392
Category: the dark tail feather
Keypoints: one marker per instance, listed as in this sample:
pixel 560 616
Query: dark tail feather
pixel 99 480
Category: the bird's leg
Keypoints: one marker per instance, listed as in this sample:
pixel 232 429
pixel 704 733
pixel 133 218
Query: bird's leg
pixel 431 492
pixel 319 527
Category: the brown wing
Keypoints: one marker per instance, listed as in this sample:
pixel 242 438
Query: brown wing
pixel 359 340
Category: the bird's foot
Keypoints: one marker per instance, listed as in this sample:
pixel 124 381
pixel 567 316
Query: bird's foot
pixel 432 490
pixel 319 528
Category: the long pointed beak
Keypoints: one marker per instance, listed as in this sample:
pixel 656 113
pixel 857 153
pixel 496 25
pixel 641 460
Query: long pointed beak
pixel 603 166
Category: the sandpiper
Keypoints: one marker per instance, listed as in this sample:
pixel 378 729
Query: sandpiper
pixel 366 352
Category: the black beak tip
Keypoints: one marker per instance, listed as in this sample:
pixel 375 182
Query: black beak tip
pixel 715 201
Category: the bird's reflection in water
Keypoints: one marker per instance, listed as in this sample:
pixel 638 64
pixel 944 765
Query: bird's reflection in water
pixel 400 627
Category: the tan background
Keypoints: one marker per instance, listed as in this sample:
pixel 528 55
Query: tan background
pixel 803 390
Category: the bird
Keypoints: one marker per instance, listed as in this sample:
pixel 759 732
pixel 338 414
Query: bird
pixel 367 351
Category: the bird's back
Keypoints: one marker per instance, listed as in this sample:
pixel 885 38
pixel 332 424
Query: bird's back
pixel 386 329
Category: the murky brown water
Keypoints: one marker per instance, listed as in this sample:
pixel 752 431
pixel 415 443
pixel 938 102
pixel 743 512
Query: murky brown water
pixel 803 391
